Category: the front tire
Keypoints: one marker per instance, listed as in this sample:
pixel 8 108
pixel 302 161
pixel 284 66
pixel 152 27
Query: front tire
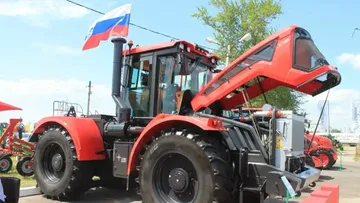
pixel 57 171
pixel 181 167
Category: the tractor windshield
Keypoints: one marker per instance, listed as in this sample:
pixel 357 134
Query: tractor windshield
pixel 307 55
pixel 192 75
pixel 196 78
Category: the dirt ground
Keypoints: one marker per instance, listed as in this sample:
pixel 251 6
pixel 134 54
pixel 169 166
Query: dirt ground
pixel 348 178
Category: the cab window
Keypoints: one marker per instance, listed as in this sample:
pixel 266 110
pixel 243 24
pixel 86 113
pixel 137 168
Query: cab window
pixel 139 94
pixel 307 56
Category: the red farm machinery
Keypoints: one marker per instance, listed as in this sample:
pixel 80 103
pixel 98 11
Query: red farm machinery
pixel 169 138
pixel 319 150
pixel 11 145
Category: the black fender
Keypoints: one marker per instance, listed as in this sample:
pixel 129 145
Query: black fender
pixel 33 138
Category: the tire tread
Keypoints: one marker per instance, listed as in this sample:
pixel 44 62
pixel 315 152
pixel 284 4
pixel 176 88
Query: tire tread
pixel 81 176
pixel 219 158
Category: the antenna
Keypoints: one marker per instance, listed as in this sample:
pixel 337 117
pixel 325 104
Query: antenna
pixel 88 102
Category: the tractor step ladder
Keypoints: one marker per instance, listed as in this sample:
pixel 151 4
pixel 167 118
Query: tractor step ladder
pixel 260 190
pixel 245 186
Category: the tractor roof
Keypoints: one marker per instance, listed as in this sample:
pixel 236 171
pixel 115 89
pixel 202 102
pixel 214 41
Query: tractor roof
pixel 288 58
pixel 165 45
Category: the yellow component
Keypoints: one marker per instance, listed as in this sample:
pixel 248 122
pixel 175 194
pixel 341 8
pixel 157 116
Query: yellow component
pixel 28 127
pixel 278 142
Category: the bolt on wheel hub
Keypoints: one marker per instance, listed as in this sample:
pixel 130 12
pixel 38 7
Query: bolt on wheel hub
pixel 179 180
pixel 57 162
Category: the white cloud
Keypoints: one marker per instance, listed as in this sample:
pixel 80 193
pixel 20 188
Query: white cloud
pixel 41 12
pixel 57 49
pixel 340 110
pixel 36 97
pixel 61 9
pixel 337 95
pixel 348 58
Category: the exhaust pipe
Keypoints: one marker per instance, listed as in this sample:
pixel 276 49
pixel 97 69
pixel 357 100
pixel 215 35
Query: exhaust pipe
pixel 122 109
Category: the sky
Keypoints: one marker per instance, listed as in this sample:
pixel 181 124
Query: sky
pixel 41 40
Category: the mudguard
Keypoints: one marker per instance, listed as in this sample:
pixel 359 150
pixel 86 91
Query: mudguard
pixel 324 141
pixel 164 121
pixel 84 132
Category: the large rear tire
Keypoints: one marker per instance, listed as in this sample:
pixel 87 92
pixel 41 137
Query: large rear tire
pixel 6 163
pixel 183 167
pixel 57 171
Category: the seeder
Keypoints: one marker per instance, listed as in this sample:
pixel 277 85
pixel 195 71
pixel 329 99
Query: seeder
pixel 17 147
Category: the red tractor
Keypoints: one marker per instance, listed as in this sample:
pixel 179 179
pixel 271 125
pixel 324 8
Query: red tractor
pixel 322 149
pixel 171 140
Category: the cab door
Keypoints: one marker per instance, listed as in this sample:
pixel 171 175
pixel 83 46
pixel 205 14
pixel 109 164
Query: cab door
pixel 140 88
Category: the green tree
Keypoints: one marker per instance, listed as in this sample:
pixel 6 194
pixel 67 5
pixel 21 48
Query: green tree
pixel 231 21
pixel 335 131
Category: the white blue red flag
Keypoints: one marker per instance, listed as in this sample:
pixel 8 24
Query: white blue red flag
pixel 113 23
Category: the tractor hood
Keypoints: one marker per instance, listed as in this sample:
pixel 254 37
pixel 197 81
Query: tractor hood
pixel 287 58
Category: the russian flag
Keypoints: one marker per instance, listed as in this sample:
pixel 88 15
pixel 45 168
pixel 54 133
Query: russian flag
pixel 113 23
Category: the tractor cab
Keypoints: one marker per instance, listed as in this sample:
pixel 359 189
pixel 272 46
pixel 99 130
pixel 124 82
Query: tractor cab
pixel 287 58
pixel 163 78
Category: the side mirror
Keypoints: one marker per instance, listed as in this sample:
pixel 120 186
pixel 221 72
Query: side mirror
pixel 195 64
pixel 179 58
pixel 180 65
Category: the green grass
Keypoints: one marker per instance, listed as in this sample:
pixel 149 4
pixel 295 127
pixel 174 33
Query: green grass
pixel 25 181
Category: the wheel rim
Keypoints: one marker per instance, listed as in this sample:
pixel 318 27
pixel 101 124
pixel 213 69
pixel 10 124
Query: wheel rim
pixel 4 164
pixel 324 159
pixel 25 167
pixel 54 162
pixel 175 179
